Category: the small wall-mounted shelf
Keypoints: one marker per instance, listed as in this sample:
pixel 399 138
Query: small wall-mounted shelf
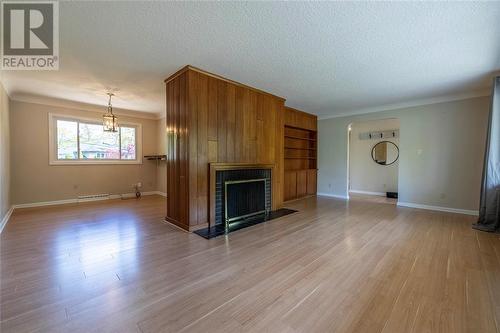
pixel 156 157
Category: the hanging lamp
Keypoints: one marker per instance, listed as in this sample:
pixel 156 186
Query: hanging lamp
pixel 109 120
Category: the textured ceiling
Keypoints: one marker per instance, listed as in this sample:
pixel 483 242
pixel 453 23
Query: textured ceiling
pixel 325 58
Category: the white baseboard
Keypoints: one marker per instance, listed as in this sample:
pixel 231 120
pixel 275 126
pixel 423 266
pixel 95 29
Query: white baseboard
pixel 438 208
pixel 382 194
pixel 343 197
pixel 52 203
pixel 69 201
pixel 6 218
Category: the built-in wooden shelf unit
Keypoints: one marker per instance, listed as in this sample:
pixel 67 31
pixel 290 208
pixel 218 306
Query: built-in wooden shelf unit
pixel 300 145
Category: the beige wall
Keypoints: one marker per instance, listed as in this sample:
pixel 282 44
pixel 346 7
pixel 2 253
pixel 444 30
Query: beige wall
pixel 161 172
pixel 441 152
pixel 34 180
pixel 5 200
pixel 364 174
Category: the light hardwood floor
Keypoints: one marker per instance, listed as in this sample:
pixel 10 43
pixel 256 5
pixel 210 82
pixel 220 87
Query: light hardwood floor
pixel 332 267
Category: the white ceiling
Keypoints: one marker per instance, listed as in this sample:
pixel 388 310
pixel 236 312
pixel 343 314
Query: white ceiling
pixel 324 58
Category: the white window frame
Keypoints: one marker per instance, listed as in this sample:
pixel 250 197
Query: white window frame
pixel 53 160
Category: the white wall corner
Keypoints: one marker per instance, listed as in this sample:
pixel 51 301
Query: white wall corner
pixel 323 194
pixel 6 218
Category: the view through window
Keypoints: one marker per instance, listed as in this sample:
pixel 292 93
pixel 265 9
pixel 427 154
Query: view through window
pixel 79 140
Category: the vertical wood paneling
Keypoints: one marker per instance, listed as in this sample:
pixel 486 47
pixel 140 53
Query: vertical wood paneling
pixel 230 124
pixel 176 161
pixel 193 144
pixel 311 181
pixel 290 191
pixel 202 111
pixel 212 109
pixel 251 124
pixel 177 153
pixel 183 155
pixel 239 144
pixel 279 126
pixel 301 183
pixel 221 121
pixel 216 120
pixel 300 119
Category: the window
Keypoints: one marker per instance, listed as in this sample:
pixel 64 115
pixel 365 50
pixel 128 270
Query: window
pixel 83 141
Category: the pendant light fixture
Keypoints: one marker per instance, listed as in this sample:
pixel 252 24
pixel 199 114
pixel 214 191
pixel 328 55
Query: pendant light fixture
pixel 109 120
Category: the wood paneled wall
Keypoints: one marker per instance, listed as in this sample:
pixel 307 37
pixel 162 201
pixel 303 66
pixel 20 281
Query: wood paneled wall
pixel 178 124
pixel 215 120
pixel 300 119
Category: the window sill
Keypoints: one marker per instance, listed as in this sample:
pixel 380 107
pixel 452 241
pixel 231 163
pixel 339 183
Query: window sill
pixel 87 162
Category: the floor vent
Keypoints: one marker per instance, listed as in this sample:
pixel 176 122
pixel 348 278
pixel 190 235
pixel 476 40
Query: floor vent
pixel 93 197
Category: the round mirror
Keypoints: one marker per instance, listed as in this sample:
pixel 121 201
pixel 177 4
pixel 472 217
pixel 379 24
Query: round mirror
pixel 385 153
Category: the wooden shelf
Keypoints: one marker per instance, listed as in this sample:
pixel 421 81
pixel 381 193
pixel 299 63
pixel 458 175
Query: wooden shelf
pixel 155 157
pixel 299 138
pixel 300 158
pixel 301 148
pixel 300 169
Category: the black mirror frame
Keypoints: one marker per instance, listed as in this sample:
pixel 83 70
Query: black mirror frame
pixel 395 145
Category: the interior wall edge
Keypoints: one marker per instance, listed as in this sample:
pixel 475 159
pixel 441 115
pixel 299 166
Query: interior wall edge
pixel 439 209
pixel 6 218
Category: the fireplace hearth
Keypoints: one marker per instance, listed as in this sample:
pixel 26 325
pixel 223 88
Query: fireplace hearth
pixel 241 196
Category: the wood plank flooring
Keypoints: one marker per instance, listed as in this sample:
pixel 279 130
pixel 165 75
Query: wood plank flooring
pixel 332 267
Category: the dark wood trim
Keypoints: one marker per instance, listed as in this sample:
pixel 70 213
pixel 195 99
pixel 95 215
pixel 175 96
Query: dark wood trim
pixel 302 112
pixel 176 223
pixel 216 76
pixel 300 128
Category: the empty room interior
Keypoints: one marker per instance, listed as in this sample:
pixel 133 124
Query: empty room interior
pixel 250 166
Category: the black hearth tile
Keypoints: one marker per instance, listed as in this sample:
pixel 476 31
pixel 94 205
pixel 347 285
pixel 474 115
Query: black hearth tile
pixel 219 229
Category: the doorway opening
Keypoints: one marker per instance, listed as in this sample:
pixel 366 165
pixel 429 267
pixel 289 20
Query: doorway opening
pixel 373 160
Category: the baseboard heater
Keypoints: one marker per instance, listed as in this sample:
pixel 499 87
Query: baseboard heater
pixel 94 197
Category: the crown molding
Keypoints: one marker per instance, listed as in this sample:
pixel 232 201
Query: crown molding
pixel 410 104
pixel 52 101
